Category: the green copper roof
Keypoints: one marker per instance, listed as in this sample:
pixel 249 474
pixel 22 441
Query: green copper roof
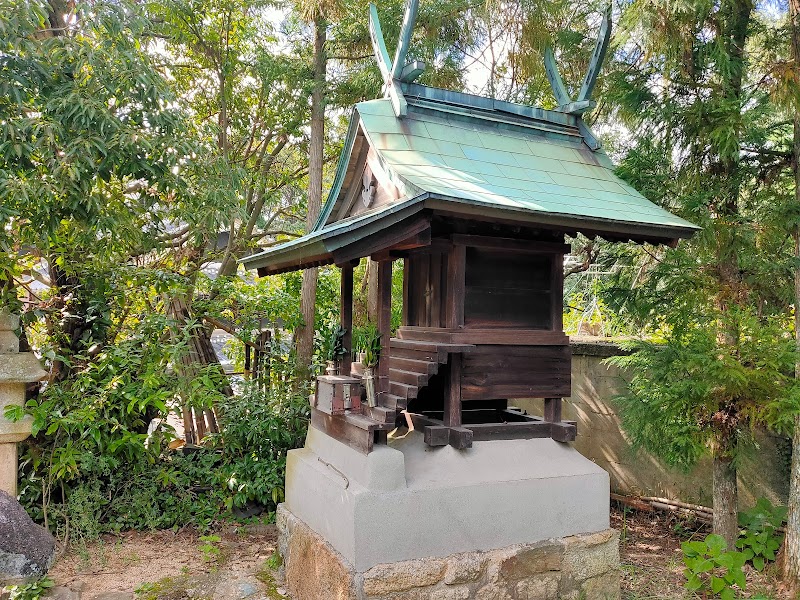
pixel 541 167
pixel 480 158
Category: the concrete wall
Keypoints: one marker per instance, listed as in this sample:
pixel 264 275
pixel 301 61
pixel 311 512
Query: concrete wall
pixel 764 471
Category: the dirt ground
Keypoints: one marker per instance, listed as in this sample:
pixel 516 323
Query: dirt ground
pixel 651 558
pixel 650 555
pixel 123 563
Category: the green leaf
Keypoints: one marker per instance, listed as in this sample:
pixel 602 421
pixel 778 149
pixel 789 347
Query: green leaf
pixel 717 584
pixel 716 543
pixel 758 563
pixel 727 594
pixel 13 412
pixel 693 548
pixel 703 566
pixel 693 582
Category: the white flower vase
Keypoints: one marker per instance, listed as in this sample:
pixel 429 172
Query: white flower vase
pixel 369 385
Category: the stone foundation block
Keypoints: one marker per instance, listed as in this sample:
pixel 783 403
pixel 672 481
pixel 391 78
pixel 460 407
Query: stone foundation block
pixel 575 567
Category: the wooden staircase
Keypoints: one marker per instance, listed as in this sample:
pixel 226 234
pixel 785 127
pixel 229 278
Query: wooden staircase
pixel 411 365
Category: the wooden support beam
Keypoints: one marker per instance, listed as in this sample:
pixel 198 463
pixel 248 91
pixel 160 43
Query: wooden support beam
pixel 510 431
pixel 461 438
pixel 565 431
pixel 436 435
pixel 357 438
pixel 399 250
pixel 346 317
pixel 452 393
pixel 511 244
pixel 552 410
pixel 384 321
pixel 422 421
pixel 407 234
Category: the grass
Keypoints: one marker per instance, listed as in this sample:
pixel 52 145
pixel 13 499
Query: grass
pixel 266 575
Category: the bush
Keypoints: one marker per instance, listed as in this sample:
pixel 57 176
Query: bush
pixel 258 428
pixel 159 489
pixel 760 539
pixel 710 567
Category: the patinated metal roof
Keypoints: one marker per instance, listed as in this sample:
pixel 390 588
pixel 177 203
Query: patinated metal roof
pixel 485 158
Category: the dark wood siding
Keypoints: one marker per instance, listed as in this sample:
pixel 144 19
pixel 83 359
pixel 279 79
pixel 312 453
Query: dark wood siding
pixel 426 283
pixel 494 371
pixel 509 290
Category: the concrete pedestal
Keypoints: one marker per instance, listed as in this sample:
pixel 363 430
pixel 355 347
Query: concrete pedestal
pixel 408 506
pixel 17 369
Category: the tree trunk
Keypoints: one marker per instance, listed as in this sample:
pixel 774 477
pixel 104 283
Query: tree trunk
pixel 726 207
pixel 200 354
pixel 308 296
pixel 725 500
pixel 791 544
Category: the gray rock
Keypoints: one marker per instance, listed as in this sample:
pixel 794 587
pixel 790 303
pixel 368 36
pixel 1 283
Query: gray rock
pixel 115 596
pixel 238 589
pixel 26 549
pixel 63 593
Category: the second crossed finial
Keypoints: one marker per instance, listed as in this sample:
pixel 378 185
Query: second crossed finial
pixel 398 71
pixel 584 100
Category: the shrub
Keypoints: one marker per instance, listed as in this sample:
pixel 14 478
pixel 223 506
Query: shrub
pixel 760 539
pixel 258 428
pixel 710 567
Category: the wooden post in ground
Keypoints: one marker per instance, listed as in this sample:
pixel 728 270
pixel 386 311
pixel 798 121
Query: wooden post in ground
pixel 247 352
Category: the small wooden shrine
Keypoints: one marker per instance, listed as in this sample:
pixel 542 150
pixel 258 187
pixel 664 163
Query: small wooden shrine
pixel 475 196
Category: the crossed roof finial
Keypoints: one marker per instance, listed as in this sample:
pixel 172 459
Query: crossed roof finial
pixel 584 100
pixel 398 71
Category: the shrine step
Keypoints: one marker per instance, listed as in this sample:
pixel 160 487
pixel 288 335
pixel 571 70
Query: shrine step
pixel 402 389
pixel 393 402
pixel 381 414
pixel 430 346
pixel 366 423
pixel 424 350
pixel 409 377
pixel 428 367
pixel 416 355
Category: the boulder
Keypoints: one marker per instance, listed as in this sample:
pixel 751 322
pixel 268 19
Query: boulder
pixel 27 550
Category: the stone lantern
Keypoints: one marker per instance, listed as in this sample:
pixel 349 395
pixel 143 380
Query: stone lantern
pixel 17 369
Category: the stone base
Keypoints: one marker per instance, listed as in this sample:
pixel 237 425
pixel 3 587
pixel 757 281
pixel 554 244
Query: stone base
pixel 574 567
pixel 407 501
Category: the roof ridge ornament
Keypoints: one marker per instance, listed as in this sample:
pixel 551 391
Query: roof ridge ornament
pixel 396 72
pixel 584 100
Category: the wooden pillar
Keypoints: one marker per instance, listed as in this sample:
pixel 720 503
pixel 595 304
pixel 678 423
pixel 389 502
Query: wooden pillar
pixel 459 437
pixel 406 291
pixel 346 317
pixel 456 279
pixel 265 343
pixel 552 410
pixel 452 393
pixel 557 293
pixel 384 321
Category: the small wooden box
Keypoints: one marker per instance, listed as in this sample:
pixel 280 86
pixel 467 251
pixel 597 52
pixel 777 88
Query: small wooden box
pixel 336 394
